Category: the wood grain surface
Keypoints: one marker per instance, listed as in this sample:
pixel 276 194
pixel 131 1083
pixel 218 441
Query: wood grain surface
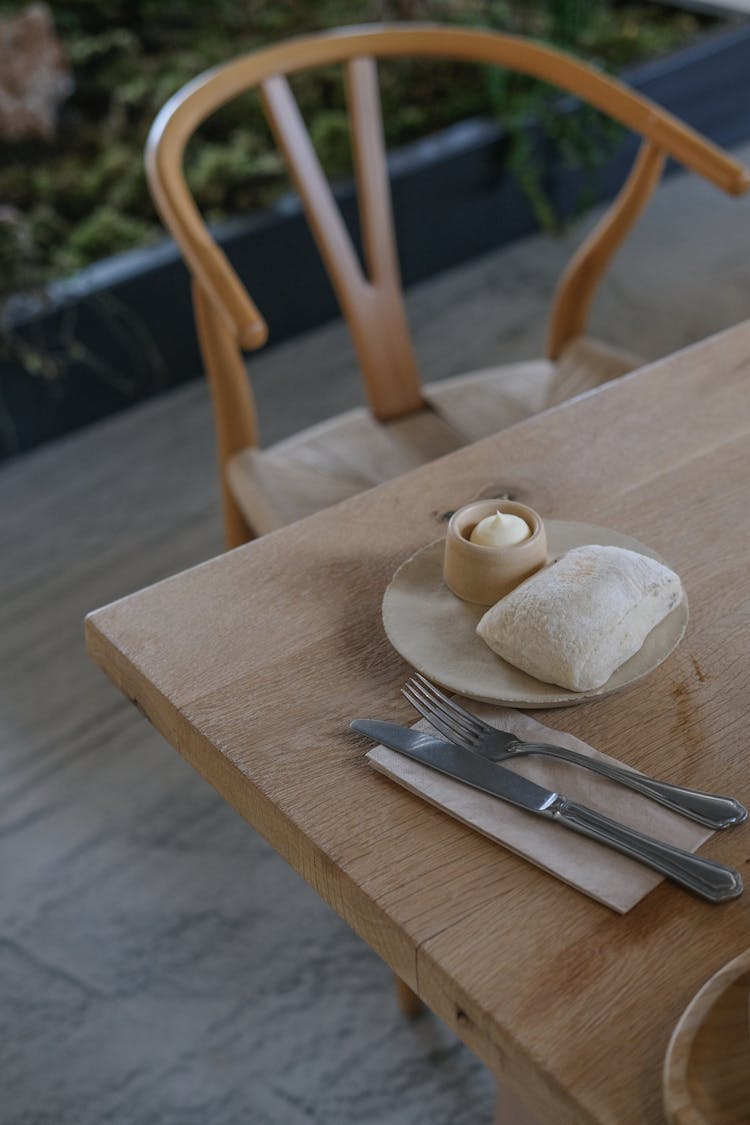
pixel 252 664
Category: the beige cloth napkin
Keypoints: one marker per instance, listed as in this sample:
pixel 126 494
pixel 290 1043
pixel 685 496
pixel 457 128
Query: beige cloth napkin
pixel 593 868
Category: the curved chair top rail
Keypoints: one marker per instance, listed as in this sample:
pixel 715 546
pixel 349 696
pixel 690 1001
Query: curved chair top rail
pixel 196 101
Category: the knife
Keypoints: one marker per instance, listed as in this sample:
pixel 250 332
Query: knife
pixel 712 881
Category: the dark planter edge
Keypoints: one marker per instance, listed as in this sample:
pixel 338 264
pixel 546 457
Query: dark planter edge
pixel 129 317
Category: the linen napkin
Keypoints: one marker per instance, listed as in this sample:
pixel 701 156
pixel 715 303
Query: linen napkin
pixel 607 876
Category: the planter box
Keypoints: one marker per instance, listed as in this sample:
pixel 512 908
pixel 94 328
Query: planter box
pixel 123 330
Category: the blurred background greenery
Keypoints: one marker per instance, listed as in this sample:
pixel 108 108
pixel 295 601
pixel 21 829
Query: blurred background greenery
pixel 80 195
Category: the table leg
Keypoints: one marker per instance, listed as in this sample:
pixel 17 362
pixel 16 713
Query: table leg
pixel 408 1001
pixel 509 1111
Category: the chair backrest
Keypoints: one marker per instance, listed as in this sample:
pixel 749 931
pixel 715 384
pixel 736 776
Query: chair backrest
pixel 372 301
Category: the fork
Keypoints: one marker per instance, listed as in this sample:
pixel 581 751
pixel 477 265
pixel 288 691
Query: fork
pixel 468 731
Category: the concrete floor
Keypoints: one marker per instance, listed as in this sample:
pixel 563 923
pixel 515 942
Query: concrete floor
pixel 158 962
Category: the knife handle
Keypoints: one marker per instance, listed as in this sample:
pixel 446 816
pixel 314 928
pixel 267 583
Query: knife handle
pixel 710 809
pixel 712 881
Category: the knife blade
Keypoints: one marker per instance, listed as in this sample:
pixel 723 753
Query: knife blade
pixel 706 878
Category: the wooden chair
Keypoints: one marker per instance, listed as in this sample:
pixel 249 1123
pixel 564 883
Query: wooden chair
pixel 407 422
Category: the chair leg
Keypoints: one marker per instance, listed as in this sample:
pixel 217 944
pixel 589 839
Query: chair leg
pixel 236 528
pixel 234 406
pixel 408 1001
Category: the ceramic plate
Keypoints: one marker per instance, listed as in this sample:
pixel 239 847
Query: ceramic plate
pixel 435 631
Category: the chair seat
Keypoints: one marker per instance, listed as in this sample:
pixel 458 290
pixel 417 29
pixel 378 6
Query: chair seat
pixel 345 455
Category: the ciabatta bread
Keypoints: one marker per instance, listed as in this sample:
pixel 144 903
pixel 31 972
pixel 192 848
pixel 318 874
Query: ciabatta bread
pixel 576 621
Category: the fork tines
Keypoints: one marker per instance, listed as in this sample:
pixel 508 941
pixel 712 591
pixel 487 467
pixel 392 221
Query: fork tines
pixel 447 716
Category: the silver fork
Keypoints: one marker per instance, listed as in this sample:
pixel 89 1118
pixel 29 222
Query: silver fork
pixel 470 732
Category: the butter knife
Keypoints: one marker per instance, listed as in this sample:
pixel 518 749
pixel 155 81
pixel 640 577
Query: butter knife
pixel 706 878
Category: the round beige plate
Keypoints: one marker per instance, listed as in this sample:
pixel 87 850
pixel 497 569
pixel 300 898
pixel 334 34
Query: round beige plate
pixel 435 631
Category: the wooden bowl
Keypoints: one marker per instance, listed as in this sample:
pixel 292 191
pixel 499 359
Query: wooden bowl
pixel 706 1077
pixel 483 575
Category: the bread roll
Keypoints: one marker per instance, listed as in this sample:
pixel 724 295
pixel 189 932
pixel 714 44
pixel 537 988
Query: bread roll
pixel 580 618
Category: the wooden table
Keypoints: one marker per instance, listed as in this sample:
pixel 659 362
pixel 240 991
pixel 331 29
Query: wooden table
pixel 252 664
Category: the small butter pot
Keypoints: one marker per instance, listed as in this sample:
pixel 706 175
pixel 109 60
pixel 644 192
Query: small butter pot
pixel 482 574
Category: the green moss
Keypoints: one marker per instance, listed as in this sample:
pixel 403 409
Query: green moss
pixel 105 231
pixel 84 195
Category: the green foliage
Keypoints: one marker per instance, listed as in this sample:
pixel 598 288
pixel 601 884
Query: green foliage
pixel 235 169
pixel 105 231
pixel 83 196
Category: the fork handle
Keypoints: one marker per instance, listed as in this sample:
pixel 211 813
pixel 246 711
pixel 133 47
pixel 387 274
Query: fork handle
pixel 707 808
pixel 712 881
